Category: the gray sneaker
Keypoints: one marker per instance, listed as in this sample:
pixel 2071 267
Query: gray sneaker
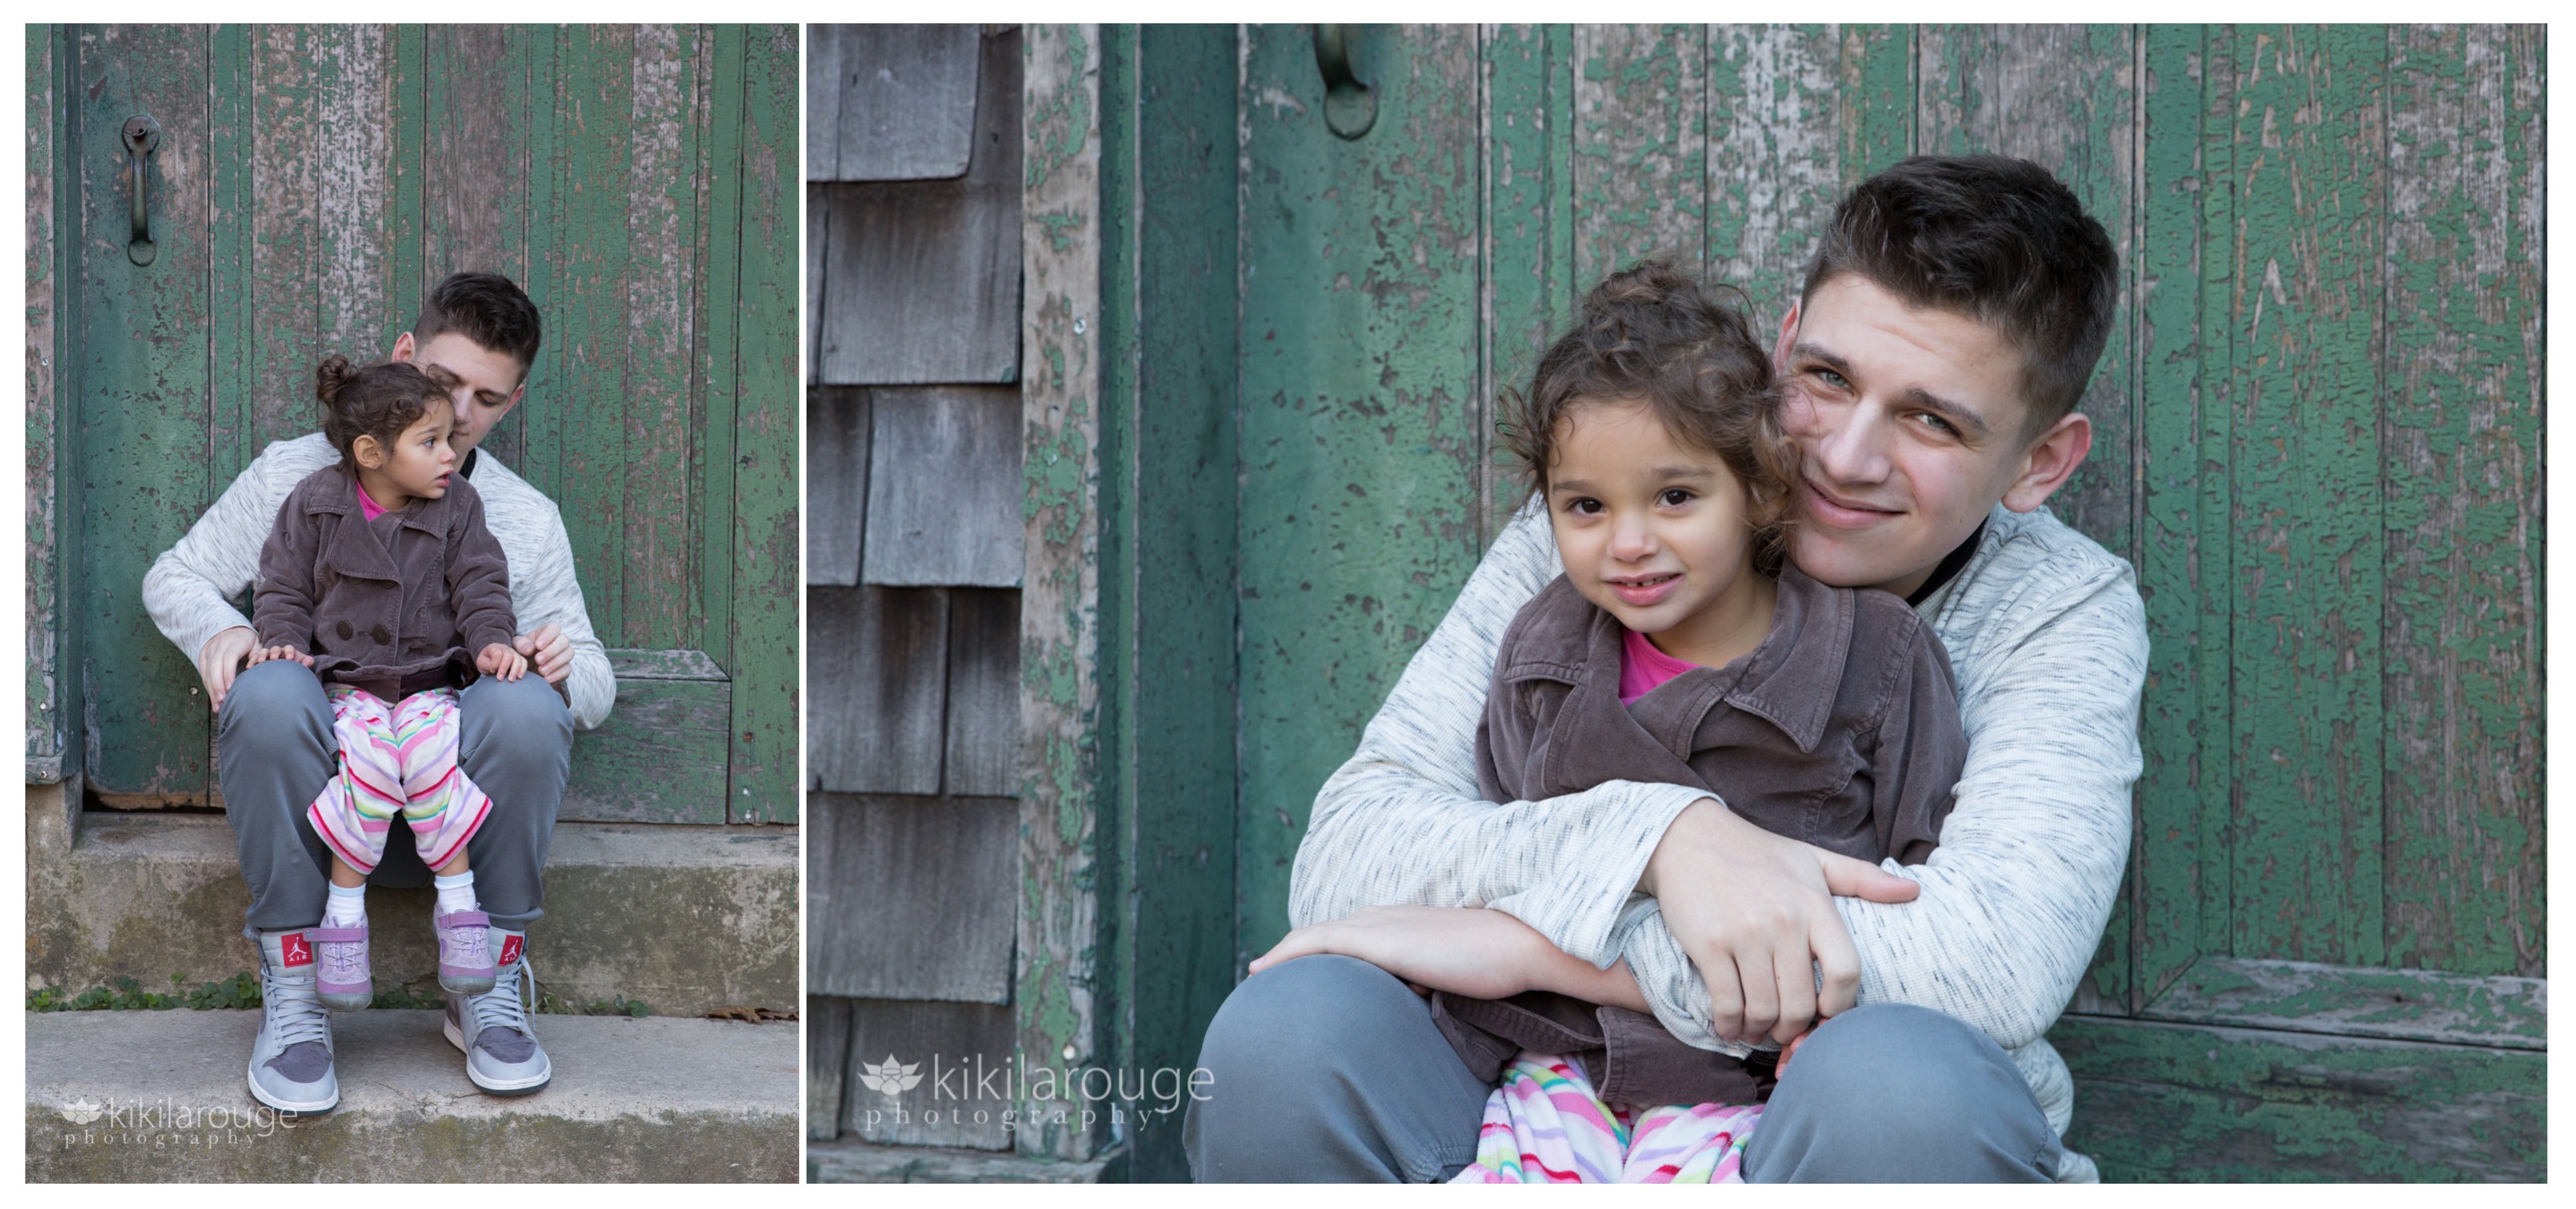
pixel 501 1052
pixel 290 1065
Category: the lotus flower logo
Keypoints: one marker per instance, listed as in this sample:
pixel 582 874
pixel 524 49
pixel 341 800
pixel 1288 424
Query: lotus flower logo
pixel 82 1111
pixel 889 1076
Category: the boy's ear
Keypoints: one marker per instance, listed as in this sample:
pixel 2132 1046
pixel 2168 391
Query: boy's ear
pixel 1788 340
pixel 404 348
pixel 369 451
pixel 2049 462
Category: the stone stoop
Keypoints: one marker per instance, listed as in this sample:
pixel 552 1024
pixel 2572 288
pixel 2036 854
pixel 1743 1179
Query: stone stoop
pixel 851 1161
pixel 143 1096
pixel 684 919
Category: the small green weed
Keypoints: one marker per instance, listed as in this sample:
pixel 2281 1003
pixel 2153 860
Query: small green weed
pixel 549 1004
pixel 239 991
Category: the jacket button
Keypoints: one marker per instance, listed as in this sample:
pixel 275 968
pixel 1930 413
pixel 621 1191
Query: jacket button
pixel 345 631
pixel 383 636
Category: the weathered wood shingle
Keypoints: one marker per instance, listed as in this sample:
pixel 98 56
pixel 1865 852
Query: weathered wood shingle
pixel 919 904
pixel 903 103
pixel 877 675
pixel 921 278
pixel 943 505
pixel 836 482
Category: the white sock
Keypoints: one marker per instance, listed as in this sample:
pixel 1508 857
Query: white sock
pixel 347 907
pixel 455 893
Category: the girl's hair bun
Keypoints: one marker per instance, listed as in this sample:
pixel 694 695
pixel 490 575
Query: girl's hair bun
pixel 334 373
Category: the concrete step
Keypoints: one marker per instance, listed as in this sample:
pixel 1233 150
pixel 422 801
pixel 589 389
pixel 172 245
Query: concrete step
pixel 134 1096
pixel 850 1161
pixel 684 919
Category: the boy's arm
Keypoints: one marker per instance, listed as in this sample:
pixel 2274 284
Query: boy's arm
pixel 478 581
pixel 2013 902
pixel 1401 822
pixel 544 590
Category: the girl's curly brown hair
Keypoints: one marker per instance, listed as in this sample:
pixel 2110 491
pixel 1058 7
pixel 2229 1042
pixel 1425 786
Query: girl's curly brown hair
pixel 1657 335
pixel 377 401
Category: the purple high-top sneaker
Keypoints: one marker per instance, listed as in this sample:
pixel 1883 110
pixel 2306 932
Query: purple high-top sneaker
pixel 342 973
pixel 464 952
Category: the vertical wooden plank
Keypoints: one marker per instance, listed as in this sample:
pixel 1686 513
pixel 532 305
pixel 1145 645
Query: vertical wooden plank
pixel 1528 134
pixel 1359 430
pixel 1640 147
pixel 406 245
pixel 285 215
pixel 588 313
pixel 1060 599
pixel 2064 97
pixel 752 582
pixel 2221 341
pixel 1775 157
pixel 983 743
pixel 232 424
pixel 353 154
pixel 827 1052
pixel 2184 500
pixel 146 385
pixel 2462 408
pixel 2311 249
pixel 536 424
pixel 880 670
pixel 837 422
pixel 1169 284
pixel 1876 98
pixel 660 503
pixel 476 191
pixel 44 719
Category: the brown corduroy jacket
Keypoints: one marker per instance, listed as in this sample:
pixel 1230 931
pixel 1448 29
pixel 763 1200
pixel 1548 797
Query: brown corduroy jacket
pixel 390 606
pixel 1840 729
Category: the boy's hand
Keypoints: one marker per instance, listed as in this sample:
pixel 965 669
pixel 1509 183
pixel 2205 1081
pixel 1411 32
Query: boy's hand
pixel 552 650
pixel 1462 950
pixel 499 660
pixel 221 660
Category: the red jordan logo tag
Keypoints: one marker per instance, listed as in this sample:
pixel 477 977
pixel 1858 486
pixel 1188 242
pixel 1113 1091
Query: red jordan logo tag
pixel 510 949
pixel 297 952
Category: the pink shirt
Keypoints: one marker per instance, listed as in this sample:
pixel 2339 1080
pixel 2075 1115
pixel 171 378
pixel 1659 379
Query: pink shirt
pixel 1642 668
pixel 367 504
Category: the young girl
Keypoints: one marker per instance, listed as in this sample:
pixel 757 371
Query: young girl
pixel 380 576
pixel 1678 647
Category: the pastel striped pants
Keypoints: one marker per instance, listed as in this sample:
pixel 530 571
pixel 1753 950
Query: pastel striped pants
pixel 397 760
pixel 1545 1125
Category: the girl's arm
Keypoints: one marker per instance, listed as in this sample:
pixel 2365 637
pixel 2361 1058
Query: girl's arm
pixel 1461 950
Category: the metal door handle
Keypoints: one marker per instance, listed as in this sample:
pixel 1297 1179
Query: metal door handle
pixel 140 139
pixel 1350 106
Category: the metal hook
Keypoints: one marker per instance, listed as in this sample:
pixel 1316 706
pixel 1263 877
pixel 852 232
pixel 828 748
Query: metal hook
pixel 1350 106
pixel 140 139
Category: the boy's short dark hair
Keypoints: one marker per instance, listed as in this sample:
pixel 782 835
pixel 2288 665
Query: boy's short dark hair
pixel 486 308
pixel 1994 238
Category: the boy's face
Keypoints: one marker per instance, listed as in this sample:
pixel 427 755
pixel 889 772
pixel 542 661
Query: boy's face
pixel 424 455
pixel 1909 426
pixel 1651 531
pixel 490 383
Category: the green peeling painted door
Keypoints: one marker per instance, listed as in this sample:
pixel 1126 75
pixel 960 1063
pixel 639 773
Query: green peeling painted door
pixel 2318 440
pixel 308 183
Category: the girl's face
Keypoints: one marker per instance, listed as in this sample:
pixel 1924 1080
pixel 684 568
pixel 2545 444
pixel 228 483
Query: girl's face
pixel 421 459
pixel 1652 530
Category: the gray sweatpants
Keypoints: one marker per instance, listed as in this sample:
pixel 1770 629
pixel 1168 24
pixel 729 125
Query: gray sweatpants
pixel 1328 1069
pixel 274 752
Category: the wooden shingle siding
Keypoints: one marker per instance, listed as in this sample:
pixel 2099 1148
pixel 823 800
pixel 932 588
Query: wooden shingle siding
pixel 983 694
pixel 877 672
pixel 911 911
pixel 921 278
pixel 914 480
pixel 937 1037
pixel 902 103
pixel 827 1056
pixel 943 503
pixel 836 482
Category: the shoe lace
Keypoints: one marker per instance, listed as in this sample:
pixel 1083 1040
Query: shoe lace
pixel 294 1009
pixel 500 1007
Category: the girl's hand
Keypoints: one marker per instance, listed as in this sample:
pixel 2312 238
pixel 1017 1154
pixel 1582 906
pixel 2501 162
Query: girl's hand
pixel 499 660
pixel 262 654
pixel 1462 950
